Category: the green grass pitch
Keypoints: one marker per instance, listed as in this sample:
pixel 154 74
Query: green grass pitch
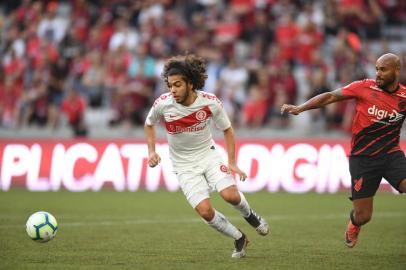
pixel 141 230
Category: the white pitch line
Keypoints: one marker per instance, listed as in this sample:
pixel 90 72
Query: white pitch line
pixel 198 220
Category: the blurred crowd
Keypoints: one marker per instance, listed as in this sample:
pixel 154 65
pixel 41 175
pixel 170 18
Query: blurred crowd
pixel 61 59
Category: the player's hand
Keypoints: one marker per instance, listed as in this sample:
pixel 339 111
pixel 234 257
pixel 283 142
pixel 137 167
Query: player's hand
pixel 234 168
pixel 289 108
pixel 153 159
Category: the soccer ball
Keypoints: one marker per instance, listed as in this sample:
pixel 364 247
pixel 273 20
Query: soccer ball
pixel 41 226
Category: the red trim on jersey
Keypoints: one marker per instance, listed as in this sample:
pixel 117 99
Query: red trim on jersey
pixel 188 121
pixel 397 148
pixel 373 141
pixel 379 150
pixel 375 130
pixel 162 97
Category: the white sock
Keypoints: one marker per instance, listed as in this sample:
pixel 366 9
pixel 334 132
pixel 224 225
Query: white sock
pixel 221 224
pixel 243 206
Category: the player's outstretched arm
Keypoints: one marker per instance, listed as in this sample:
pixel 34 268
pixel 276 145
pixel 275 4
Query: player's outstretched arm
pixel 315 102
pixel 229 139
pixel 153 157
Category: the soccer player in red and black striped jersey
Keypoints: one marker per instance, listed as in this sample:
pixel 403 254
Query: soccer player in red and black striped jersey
pixel 375 151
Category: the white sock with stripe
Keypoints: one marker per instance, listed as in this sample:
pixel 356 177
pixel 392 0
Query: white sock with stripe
pixel 221 224
pixel 243 206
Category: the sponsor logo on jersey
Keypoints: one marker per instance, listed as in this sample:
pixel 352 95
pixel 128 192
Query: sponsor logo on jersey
pixel 193 122
pixel 174 129
pixel 170 116
pixel 380 114
pixel 402 94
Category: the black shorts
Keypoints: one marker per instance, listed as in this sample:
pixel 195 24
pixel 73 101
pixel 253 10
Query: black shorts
pixel 367 173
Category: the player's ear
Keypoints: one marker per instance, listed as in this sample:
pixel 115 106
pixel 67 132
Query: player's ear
pixel 397 70
pixel 189 84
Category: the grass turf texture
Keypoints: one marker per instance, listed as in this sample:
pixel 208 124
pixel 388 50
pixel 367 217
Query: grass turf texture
pixel 112 230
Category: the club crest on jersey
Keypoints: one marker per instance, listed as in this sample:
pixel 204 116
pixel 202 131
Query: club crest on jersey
pixel 201 115
pixel 223 168
pixel 374 95
pixel 394 116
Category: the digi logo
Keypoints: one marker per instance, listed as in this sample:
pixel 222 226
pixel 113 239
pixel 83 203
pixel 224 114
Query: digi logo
pixel 394 116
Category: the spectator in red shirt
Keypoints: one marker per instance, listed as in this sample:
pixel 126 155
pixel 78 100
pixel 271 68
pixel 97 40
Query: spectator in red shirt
pixel 286 34
pixel 74 106
pixel 255 108
pixel 309 41
pixel 10 94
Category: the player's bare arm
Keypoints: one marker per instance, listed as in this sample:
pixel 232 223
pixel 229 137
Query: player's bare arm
pixel 315 102
pixel 153 157
pixel 229 139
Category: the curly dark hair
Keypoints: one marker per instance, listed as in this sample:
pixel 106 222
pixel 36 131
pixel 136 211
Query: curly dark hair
pixel 190 66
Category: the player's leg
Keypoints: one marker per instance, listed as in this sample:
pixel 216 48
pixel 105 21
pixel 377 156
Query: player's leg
pixel 395 172
pixel 196 190
pixel 220 179
pixel 236 198
pixel 205 210
pixel 216 219
pixel 362 211
pixel 366 175
pixel 219 222
pixel 402 186
pixel 359 215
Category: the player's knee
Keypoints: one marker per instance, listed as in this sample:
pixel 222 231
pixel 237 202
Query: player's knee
pixel 232 197
pixel 362 217
pixel 207 213
pixel 402 186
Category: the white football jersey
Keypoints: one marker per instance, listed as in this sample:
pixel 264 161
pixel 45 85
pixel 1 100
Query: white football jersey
pixel 188 128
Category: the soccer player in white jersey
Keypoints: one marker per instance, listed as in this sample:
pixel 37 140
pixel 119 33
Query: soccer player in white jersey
pixel 187 113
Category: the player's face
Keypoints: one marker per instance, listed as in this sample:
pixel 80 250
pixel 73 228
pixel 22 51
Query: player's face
pixel 180 89
pixel 385 74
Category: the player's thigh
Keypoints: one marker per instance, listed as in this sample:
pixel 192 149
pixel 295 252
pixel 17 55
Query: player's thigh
pixel 216 173
pixel 194 186
pixel 230 194
pixel 395 171
pixel 402 187
pixel 366 176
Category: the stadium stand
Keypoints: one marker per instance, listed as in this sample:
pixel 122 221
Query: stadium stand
pixel 73 66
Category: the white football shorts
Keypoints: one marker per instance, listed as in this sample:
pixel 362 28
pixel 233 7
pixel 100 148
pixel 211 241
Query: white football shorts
pixel 207 175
